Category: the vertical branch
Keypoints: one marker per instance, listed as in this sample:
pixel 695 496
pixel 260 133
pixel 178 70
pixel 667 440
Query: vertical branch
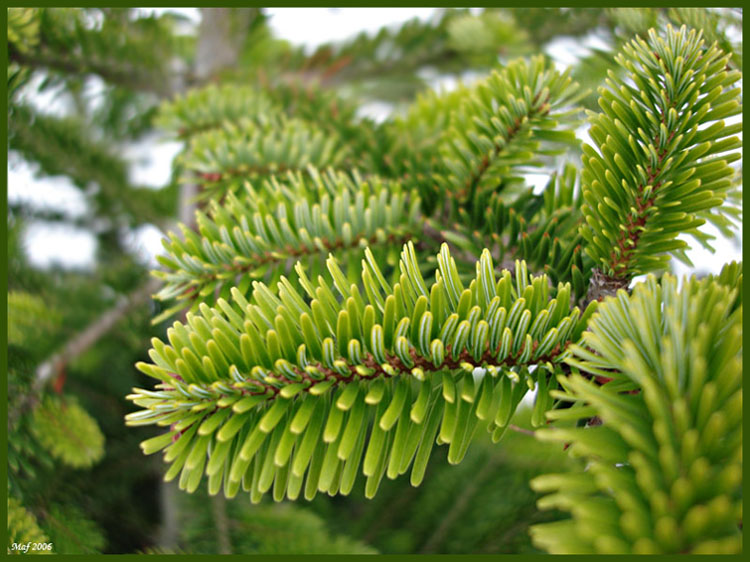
pixel 221 35
pixel 169 528
pixel 220 39
pixel 223 540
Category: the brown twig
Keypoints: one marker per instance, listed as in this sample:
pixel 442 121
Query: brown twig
pixel 82 341
pixel 520 430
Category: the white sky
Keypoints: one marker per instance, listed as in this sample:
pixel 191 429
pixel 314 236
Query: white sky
pixel 151 161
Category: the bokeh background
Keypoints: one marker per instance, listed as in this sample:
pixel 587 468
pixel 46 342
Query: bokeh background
pixel 92 188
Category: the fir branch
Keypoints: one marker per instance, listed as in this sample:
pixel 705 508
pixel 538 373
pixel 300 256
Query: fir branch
pixel 126 76
pixel 663 470
pixel 297 390
pixel 662 162
pixel 510 120
pixel 220 159
pixel 258 234
pixel 540 229
pixel 201 109
pixel 347 360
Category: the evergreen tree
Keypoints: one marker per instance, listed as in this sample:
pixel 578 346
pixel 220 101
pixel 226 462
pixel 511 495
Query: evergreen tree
pixel 342 294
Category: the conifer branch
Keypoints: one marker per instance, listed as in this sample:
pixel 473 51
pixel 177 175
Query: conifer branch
pixel 661 163
pixel 465 352
pixel 508 121
pixel 82 341
pixel 250 150
pixel 669 477
pixel 260 232
pixel 296 387
pixel 126 76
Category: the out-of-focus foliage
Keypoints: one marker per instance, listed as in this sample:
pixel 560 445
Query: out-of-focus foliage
pixel 23 528
pixel 72 532
pixel 29 317
pixel 23 28
pixel 259 529
pixel 76 42
pixel 65 146
pixel 479 506
pixel 68 432
pixel 238 247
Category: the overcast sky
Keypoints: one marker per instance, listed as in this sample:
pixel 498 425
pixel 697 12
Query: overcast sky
pixel 151 163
